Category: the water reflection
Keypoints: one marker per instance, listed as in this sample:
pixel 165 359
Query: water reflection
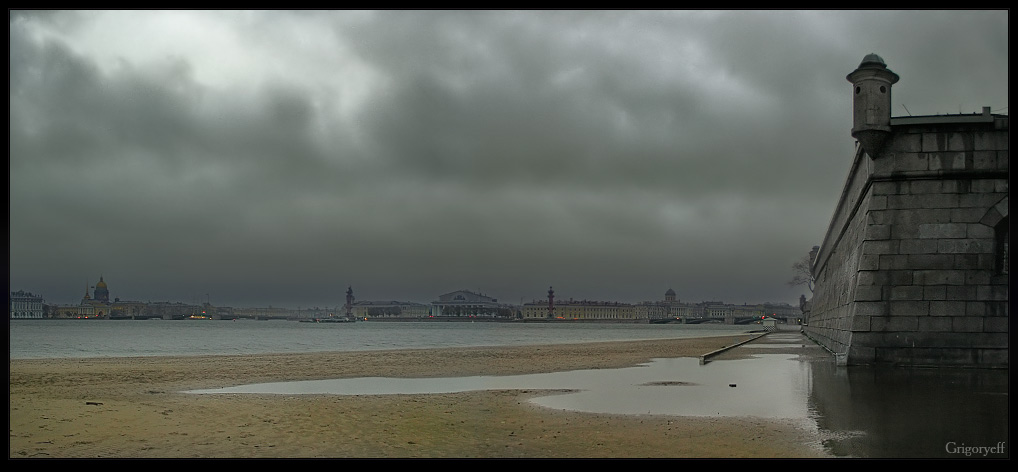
pixel 766 386
pixel 911 412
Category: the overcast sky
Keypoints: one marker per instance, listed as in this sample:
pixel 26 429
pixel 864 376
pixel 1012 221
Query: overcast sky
pixel 277 157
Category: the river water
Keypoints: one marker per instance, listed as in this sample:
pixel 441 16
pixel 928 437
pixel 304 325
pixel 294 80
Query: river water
pixel 867 412
pixel 126 338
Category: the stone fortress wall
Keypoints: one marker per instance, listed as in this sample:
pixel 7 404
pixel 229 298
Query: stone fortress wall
pixel 914 266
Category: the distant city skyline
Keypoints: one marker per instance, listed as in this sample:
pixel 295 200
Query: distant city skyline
pixel 261 158
pixel 455 305
pixel 207 298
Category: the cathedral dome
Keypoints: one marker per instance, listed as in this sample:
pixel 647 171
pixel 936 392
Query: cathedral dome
pixel 102 292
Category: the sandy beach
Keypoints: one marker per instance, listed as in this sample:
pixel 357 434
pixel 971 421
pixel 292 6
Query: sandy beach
pixel 135 408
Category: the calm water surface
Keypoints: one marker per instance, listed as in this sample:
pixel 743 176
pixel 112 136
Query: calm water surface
pixel 121 338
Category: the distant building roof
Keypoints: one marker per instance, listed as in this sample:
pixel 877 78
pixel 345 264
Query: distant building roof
pixel 22 293
pixel 465 296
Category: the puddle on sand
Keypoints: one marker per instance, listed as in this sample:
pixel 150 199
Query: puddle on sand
pixel 768 386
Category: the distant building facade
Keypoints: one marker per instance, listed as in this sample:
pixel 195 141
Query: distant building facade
pixel 580 310
pixel 719 311
pixel 171 310
pixel 464 303
pixel 127 309
pixel 914 266
pixel 25 305
pixel 73 311
pixel 669 308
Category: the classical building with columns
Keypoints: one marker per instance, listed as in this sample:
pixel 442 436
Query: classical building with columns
pixel 467 304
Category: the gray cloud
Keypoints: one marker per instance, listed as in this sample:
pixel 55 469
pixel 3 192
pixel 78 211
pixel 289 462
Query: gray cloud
pixel 277 157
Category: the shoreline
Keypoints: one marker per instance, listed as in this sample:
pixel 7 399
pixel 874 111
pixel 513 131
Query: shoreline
pixel 134 407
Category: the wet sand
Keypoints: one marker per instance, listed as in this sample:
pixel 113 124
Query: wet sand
pixel 135 408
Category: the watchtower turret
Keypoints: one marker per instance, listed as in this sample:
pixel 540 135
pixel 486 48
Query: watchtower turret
pixel 871 104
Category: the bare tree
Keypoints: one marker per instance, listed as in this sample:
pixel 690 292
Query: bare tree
pixel 803 270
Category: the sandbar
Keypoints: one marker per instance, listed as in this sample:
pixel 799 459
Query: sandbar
pixel 120 407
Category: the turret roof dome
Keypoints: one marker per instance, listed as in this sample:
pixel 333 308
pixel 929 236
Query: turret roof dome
pixel 872 58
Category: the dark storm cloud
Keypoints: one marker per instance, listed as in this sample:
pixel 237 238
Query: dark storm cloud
pixel 149 172
pixel 605 136
pixel 277 157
